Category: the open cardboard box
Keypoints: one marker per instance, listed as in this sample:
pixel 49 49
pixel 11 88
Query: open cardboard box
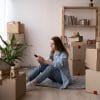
pixel 15 27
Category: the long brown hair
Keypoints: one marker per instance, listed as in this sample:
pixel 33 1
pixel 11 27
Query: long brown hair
pixel 59 45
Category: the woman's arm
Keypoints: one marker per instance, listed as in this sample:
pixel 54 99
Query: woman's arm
pixel 48 62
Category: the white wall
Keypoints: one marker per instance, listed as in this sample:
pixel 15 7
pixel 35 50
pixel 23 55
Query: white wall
pixel 42 19
pixel 2 20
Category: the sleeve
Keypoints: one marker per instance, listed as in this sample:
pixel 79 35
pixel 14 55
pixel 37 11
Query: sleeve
pixel 60 61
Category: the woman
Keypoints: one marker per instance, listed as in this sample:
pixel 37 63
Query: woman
pixel 56 68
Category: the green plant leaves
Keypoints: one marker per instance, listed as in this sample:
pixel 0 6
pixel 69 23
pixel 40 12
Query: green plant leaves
pixel 12 52
pixel 3 40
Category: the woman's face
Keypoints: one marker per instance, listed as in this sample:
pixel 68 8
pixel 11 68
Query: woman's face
pixel 52 45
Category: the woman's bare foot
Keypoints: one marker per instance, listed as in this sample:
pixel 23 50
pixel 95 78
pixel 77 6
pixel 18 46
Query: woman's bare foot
pixel 31 85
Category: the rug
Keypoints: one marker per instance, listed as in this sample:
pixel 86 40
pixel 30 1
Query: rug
pixel 78 82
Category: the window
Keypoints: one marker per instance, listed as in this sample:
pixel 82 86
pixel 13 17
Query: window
pixel 2 19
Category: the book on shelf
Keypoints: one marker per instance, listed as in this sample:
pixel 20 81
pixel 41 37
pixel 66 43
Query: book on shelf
pixel 70 20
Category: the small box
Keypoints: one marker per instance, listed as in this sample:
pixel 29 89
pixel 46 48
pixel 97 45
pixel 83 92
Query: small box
pixel 93 81
pixel 75 39
pixel 77 67
pixel 20 39
pixel 93 59
pixel 13 88
pixel 91 43
pixel 77 50
pixel 15 27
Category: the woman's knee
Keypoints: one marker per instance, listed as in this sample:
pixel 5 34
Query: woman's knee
pixel 41 67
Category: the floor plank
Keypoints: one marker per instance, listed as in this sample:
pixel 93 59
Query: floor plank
pixel 46 93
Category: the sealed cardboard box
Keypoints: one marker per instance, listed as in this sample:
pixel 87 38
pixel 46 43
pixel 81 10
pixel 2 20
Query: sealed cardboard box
pixel 93 59
pixel 77 50
pixel 77 67
pixel 93 81
pixel 19 38
pixel 15 27
pixel 13 88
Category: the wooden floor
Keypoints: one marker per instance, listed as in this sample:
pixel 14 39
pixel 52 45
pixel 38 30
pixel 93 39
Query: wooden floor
pixel 46 93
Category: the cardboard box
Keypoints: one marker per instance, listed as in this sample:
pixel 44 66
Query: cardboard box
pixel 0 54
pixel 4 69
pixel 15 27
pixel 13 88
pixel 77 50
pixel 75 39
pixel 97 45
pixel 19 38
pixel 77 67
pixel 98 39
pixel 0 82
pixel 93 59
pixel 4 74
pixel 93 81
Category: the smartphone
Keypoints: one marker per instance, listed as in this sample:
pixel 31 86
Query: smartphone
pixel 35 55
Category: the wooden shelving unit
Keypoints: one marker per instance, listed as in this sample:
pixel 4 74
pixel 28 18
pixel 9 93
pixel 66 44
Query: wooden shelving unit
pixel 80 26
pixel 79 7
pixel 63 27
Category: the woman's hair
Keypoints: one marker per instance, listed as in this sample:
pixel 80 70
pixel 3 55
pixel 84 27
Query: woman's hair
pixel 58 45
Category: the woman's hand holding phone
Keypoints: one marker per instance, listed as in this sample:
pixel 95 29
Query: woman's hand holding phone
pixel 40 59
pixel 35 55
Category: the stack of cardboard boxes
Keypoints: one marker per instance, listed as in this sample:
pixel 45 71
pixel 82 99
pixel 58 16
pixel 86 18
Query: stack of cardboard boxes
pixel 16 28
pixel 77 58
pixel 93 73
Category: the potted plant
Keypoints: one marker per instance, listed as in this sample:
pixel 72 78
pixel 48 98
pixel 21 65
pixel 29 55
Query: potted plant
pixel 12 52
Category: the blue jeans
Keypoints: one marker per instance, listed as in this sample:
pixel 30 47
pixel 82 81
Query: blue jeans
pixel 41 72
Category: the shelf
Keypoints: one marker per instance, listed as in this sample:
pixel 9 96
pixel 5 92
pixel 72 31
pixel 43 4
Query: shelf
pixel 80 26
pixel 73 18
pixel 86 8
